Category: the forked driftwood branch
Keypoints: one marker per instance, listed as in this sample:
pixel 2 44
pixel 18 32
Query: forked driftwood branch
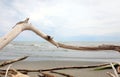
pixel 24 25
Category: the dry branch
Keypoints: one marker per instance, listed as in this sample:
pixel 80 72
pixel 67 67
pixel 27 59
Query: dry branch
pixel 24 25
pixel 6 73
pixel 12 61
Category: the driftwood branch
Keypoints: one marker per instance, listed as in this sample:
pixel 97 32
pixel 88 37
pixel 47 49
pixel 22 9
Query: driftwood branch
pixel 62 68
pixel 24 25
pixel 12 61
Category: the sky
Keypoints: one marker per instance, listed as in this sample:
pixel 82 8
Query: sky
pixel 65 20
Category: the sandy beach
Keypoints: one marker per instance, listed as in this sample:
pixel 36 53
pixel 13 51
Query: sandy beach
pixel 89 72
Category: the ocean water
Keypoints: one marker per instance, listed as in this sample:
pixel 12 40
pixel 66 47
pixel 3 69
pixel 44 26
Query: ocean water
pixel 38 51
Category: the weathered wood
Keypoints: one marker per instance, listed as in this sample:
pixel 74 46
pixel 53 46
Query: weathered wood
pixel 12 61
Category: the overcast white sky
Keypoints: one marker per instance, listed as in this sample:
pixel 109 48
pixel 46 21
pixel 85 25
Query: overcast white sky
pixel 65 20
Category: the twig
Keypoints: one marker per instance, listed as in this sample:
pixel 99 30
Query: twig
pixel 12 61
pixel 7 70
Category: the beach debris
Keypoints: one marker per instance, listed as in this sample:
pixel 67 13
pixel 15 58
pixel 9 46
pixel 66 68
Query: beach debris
pixel 63 74
pixel 47 72
pixel 12 61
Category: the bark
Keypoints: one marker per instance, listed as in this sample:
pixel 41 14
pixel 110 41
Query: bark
pixel 24 25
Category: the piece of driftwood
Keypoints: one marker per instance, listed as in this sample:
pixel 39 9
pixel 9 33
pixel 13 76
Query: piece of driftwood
pixel 12 61
pixel 6 73
pixel 61 68
pixel 66 75
pixel 24 25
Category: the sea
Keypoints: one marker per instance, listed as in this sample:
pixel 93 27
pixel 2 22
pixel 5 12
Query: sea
pixel 43 51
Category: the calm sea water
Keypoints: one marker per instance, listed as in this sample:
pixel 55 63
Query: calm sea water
pixel 46 51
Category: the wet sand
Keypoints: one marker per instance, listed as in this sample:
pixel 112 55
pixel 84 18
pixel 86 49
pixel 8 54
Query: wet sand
pixel 89 72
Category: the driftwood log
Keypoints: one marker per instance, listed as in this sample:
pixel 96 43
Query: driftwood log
pixel 24 25
pixel 60 68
